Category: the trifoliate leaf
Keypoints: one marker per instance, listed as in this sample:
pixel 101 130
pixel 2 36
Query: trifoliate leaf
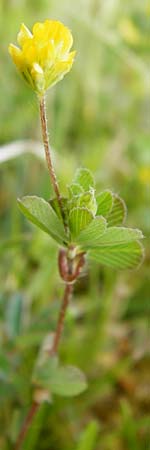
pixel 79 219
pixel 104 203
pixel 122 256
pixel 41 214
pixel 118 213
pixel 90 237
pixel 67 381
pixel 84 178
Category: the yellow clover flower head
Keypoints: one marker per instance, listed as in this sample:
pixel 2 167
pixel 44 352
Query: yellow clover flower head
pixel 43 56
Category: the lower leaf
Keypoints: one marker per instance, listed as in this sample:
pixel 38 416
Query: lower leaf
pixel 122 256
pixel 67 381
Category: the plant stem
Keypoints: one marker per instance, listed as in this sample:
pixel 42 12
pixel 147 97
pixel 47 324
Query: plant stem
pixel 59 329
pixel 68 287
pixel 26 426
pixel 60 323
pixel 47 148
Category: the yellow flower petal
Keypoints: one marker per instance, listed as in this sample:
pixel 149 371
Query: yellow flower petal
pixel 23 35
pixel 46 55
pixel 60 34
pixel 39 32
pixel 16 55
pixel 58 71
pixel 70 57
pixel 29 53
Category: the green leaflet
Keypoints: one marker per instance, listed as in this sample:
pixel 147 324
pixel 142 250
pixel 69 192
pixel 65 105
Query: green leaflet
pixel 104 203
pixel 108 244
pixel 67 381
pixel 97 235
pixel 119 235
pixel 85 200
pixel 89 237
pixel 79 219
pixel 121 256
pixel 84 178
pixel 41 214
pixel 117 216
pixel 75 189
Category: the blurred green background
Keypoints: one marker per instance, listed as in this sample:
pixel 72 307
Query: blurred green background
pixel 99 117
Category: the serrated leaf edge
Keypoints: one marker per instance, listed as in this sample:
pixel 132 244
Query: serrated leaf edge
pixel 120 242
pixel 123 204
pixel 86 170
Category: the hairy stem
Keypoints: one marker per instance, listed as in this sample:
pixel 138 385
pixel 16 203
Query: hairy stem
pixel 68 287
pixel 47 148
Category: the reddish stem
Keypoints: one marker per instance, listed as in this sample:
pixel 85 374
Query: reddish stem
pixel 35 406
pixel 48 155
pixel 60 323
pixel 67 273
pixel 26 425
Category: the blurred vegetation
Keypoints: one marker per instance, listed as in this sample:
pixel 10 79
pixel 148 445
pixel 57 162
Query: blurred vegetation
pixel 99 117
